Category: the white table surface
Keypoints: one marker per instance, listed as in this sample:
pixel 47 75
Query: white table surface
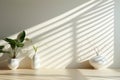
pixel 60 74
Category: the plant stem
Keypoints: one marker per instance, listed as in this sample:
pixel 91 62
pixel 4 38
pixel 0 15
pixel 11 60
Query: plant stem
pixel 96 50
pixel 14 53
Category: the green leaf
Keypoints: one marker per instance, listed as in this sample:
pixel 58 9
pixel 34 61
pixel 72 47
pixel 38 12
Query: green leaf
pixel 19 44
pixel 21 36
pixel 11 42
pixel 1 47
pixel 35 48
pixel 1 51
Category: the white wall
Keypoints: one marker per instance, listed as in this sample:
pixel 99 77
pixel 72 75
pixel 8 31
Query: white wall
pixel 117 34
pixel 66 31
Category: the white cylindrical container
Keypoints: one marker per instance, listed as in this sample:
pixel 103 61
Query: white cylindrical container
pixel 13 64
pixel 36 61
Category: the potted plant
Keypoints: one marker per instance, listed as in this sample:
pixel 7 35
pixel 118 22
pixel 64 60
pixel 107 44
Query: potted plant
pixel 36 59
pixel 99 61
pixel 15 44
pixel 35 56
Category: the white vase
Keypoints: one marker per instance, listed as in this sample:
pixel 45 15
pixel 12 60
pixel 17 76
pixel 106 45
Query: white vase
pixel 98 62
pixel 13 64
pixel 36 61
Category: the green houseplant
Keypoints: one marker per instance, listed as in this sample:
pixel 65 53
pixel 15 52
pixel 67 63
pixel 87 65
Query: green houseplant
pixel 15 44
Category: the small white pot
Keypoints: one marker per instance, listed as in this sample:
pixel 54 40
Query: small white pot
pixel 13 63
pixel 98 62
pixel 36 61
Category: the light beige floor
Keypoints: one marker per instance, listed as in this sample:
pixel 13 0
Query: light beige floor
pixel 60 74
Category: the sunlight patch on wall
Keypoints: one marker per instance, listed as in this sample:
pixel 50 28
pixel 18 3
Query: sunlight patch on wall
pixel 71 37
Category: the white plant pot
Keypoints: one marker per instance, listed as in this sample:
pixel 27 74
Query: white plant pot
pixel 13 64
pixel 98 62
pixel 36 61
